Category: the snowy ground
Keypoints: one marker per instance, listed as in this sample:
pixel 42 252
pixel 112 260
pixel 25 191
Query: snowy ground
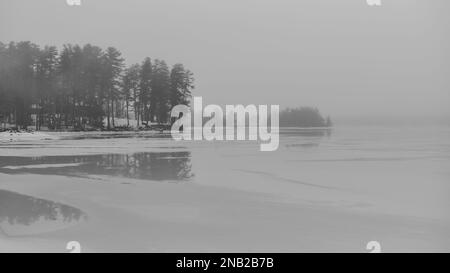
pixel 25 136
pixel 150 193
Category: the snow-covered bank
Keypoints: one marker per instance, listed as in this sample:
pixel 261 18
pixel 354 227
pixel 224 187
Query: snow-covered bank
pixel 9 136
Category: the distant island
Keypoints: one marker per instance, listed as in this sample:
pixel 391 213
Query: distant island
pixel 303 117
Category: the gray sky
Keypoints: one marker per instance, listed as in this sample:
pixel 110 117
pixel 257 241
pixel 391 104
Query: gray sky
pixel 343 56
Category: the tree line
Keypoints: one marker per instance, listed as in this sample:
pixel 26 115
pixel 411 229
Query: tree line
pixel 86 86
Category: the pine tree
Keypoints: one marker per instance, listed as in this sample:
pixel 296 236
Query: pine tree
pixel 160 86
pixel 113 63
pixel 130 89
pixel 181 84
pixel 145 100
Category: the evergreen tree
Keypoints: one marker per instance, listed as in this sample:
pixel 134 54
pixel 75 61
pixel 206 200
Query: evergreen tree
pixel 160 86
pixel 130 89
pixel 113 63
pixel 181 84
pixel 45 82
pixel 146 102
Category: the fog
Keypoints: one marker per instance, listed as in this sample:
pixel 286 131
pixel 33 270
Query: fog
pixel 348 59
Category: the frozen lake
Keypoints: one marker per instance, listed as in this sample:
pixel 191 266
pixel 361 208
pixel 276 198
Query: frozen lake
pixel 322 190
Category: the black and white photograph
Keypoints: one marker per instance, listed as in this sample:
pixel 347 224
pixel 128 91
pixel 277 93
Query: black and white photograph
pixel 224 126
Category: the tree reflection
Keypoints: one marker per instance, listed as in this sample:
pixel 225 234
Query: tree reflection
pixel 25 210
pixel 158 166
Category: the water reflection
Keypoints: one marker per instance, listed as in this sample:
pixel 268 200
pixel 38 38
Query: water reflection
pixel 306 132
pixel 157 166
pixel 19 212
pixel 116 135
pixel 304 138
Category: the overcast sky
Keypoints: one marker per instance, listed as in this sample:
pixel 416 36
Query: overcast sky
pixel 344 57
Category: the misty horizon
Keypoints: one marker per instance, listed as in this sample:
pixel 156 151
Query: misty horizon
pixel 347 59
